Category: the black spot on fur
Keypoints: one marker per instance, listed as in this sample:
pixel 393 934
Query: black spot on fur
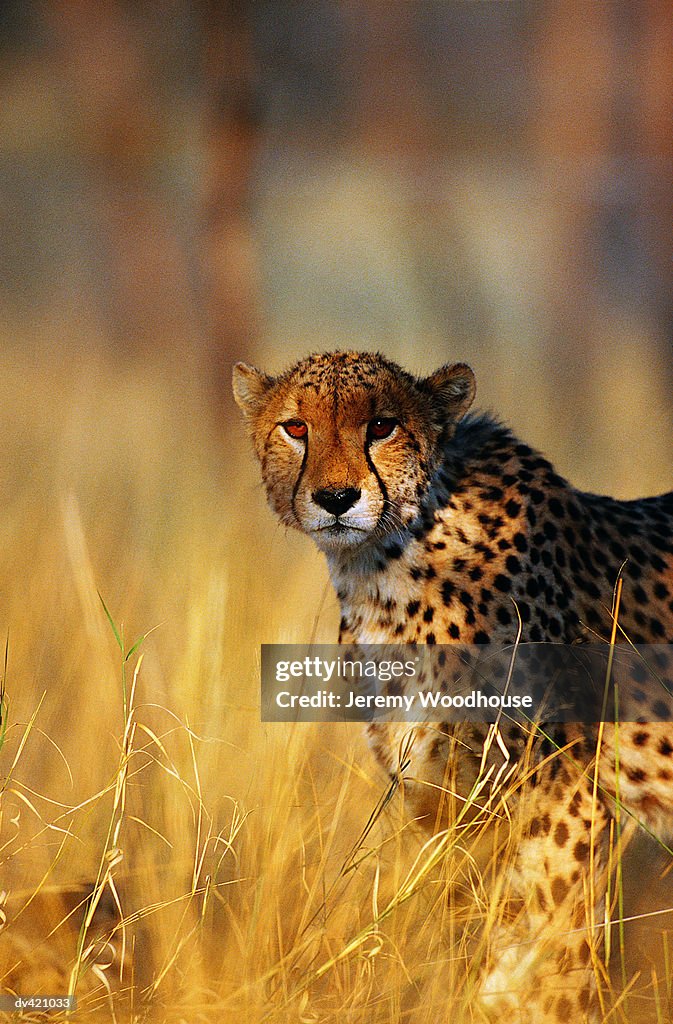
pixel 513 565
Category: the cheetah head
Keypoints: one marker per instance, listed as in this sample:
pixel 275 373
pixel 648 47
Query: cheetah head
pixel 348 441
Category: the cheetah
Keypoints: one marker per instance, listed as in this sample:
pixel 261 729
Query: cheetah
pixel 440 527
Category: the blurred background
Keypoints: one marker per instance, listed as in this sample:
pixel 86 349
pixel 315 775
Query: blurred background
pixel 186 184
pixel 489 181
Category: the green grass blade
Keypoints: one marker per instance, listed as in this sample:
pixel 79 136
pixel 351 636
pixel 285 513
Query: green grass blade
pixel 120 642
pixel 139 641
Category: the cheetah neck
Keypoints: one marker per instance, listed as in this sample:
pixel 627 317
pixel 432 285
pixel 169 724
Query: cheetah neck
pixel 389 588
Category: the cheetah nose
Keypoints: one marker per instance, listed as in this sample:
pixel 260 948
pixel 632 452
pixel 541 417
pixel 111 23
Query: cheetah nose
pixel 336 500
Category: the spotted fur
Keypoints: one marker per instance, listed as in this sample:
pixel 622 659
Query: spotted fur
pixel 441 527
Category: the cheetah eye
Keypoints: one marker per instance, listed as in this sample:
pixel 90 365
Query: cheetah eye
pixel 380 428
pixel 295 428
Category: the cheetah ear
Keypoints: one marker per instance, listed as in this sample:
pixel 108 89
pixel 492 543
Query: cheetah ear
pixel 251 387
pixel 453 387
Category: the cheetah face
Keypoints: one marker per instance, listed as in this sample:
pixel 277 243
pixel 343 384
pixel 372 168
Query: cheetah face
pixel 348 441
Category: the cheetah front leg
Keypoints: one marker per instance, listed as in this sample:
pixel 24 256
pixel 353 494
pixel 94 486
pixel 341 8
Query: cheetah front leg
pixel 542 958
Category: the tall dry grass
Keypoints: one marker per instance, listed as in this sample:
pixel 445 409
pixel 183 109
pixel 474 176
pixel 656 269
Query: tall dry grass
pixel 236 870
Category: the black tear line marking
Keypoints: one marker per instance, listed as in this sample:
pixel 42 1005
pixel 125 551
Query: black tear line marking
pixel 386 500
pixel 298 480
